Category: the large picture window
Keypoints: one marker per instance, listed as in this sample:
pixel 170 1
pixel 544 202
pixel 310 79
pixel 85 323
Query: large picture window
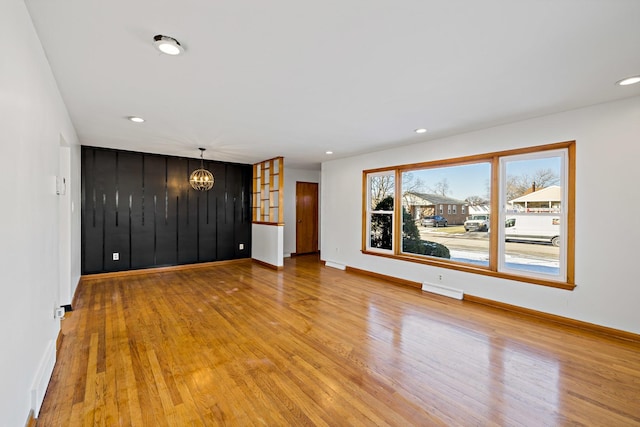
pixel 508 214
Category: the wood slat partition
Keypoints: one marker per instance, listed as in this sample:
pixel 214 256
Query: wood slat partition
pixel 268 191
pixel 239 344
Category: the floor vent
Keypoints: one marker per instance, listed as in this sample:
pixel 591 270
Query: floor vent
pixel 443 290
pixel 335 265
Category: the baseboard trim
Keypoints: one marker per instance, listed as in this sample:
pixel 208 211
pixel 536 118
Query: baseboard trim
pixel 31 420
pixel 160 269
pixel 384 277
pixel 565 321
pixel 59 343
pixel 43 376
pixel 75 293
pixel 266 264
pixel 295 254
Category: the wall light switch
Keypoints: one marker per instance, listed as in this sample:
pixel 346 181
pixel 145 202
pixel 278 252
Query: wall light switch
pixel 116 256
pixel 61 185
pixel 241 246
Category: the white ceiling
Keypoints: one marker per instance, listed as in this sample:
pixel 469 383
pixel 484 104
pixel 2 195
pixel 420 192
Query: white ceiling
pixel 296 78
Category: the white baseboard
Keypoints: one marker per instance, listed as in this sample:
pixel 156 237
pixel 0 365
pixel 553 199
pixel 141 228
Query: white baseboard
pixel 42 377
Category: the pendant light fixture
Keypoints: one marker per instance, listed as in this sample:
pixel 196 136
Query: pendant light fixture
pixel 201 179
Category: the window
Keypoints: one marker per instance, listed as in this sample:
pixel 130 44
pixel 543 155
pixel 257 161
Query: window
pixel 380 207
pixel 520 207
pixel 532 200
pixel 431 185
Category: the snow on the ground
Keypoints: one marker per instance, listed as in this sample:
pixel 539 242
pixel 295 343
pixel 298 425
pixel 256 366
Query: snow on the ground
pixel 540 265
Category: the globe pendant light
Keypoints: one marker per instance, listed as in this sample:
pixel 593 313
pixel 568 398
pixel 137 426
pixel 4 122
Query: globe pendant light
pixel 201 179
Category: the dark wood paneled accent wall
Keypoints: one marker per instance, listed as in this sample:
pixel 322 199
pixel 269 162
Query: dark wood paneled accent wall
pixel 142 207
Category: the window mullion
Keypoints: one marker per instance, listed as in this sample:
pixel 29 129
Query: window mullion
pixel 397 214
pixel 494 218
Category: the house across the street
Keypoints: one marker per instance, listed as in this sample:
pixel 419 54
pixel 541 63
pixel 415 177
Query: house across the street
pixel 544 200
pixel 424 204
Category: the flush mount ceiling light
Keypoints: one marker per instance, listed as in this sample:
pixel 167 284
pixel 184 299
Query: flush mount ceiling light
pixel 420 130
pixel 135 119
pixel 629 81
pixel 328 152
pixel 168 45
pixel 201 179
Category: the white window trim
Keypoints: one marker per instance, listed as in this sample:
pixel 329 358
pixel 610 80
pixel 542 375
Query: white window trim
pixel 564 179
pixel 370 211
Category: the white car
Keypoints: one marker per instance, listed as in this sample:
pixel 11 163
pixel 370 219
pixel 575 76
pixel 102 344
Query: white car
pixel 477 223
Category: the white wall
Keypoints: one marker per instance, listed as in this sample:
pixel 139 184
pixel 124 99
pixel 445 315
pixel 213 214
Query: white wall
pixel 74 190
pixel 607 177
pixel 267 244
pixel 33 119
pixel 291 176
pixel 69 253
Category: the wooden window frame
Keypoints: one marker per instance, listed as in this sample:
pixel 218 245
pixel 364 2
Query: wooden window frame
pixel 492 269
pixel 367 211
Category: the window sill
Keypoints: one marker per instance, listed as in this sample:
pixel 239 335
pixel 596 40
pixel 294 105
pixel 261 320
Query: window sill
pixel 476 270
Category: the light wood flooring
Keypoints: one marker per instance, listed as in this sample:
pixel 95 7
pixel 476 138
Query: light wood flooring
pixel 241 345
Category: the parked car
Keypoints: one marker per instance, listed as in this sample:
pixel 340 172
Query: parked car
pixel 477 223
pixel 434 221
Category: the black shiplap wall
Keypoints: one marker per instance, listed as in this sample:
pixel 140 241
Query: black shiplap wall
pixel 141 206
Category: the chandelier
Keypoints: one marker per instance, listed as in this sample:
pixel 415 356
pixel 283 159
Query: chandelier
pixel 201 179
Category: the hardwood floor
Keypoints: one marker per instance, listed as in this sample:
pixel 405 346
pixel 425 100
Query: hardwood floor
pixel 240 344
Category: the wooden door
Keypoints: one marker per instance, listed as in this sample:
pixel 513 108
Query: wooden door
pixel 306 217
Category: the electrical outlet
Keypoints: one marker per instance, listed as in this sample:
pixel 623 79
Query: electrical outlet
pixel 116 256
pixel 440 277
pixel 241 246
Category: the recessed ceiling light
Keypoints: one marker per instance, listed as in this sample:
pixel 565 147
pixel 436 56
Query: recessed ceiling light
pixel 328 152
pixel 136 119
pixel 168 45
pixel 629 81
pixel 420 130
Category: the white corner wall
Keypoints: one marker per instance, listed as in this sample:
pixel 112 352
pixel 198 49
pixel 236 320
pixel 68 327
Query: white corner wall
pixel 267 244
pixel 291 176
pixel 608 150
pixel 33 121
